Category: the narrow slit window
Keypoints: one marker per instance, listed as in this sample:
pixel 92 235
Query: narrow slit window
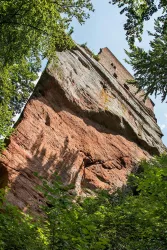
pixel 113 65
pixel 126 86
pixel 115 75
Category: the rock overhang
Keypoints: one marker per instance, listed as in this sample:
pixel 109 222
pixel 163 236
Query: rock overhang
pixel 82 123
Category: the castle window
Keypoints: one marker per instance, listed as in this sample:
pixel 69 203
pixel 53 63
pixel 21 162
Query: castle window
pixel 115 75
pixel 126 86
pixel 113 65
pixel 103 85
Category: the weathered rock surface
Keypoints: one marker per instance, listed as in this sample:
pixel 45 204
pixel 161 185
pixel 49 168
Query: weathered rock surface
pixel 82 123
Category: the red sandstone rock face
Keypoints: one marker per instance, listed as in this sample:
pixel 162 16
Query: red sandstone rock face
pixel 69 126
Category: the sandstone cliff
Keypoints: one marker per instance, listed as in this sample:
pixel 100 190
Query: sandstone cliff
pixel 82 122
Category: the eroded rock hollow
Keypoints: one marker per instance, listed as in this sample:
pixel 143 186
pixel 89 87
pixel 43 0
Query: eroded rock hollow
pixel 82 121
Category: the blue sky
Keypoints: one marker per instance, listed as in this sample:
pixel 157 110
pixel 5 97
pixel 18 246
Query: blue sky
pixel 105 29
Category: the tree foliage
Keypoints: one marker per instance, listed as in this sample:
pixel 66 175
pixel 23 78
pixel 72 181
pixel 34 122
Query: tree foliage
pixel 30 31
pixel 134 218
pixel 124 220
pixel 137 12
pixel 19 231
pixel 149 66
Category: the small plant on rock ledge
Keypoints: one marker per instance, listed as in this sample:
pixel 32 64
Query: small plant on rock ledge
pixel 96 57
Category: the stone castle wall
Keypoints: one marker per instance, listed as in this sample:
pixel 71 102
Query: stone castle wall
pixel 112 64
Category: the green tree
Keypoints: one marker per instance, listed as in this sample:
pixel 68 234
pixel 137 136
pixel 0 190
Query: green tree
pixel 30 31
pixel 72 222
pixel 138 220
pixel 19 231
pixel 134 218
pixel 149 66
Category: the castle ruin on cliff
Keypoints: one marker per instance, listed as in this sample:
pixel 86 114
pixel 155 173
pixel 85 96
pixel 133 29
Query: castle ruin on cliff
pixel 84 122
